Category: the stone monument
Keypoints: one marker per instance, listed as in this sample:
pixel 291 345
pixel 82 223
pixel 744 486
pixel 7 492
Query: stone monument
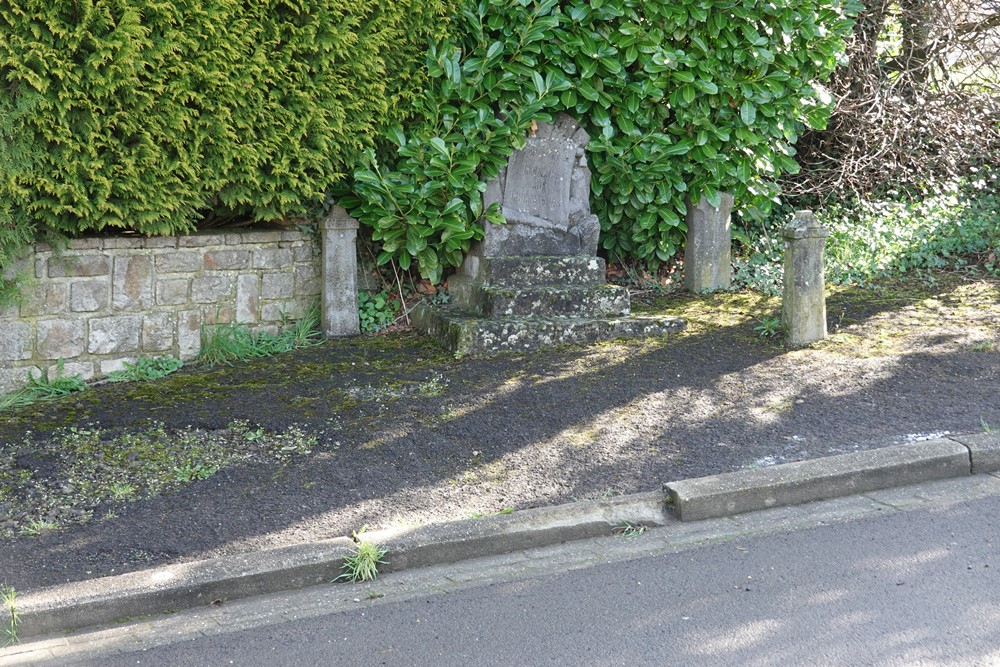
pixel 537 280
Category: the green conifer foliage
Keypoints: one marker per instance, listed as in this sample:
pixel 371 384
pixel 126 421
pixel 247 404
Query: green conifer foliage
pixel 145 114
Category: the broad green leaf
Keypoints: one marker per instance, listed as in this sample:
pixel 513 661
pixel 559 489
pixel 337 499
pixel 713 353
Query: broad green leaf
pixel 679 147
pixel 437 143
pixel 496 48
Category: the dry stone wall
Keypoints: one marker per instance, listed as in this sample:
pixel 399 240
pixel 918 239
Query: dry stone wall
pixel 104 301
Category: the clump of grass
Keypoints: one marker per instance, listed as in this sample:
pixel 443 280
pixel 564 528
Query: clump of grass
pixel 627 529
pixel 36 527
pixel 227 343
pixel 44 388
pixel 363 564
pixel 8 629
pixel 146 368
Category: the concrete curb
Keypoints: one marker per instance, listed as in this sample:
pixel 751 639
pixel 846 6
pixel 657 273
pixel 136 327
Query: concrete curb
pixel 833 476
pixel 185 585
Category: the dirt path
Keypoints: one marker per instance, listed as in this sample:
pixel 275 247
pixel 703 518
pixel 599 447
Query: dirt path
pixel 407 434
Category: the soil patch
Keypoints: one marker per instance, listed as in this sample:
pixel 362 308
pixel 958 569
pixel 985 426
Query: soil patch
pixel 406 434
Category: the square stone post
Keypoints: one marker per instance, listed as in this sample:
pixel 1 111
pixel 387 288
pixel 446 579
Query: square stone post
pixel 340 275
pixel 804 299
pixel 707 252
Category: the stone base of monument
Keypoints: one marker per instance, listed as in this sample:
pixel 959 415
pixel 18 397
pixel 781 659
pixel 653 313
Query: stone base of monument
pixel 529 302
pixel 536 280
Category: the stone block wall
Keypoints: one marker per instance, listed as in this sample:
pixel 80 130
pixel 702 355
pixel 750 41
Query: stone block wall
pixel 104 301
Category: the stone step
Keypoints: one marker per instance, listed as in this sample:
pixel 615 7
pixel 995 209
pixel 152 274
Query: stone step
pixel 467 334
pixel 546 302
pixel 543 271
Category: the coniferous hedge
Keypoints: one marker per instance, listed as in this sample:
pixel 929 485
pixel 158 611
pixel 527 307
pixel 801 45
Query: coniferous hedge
pixel 145 114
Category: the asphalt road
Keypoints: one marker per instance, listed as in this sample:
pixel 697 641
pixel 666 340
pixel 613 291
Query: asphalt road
pixel 919 587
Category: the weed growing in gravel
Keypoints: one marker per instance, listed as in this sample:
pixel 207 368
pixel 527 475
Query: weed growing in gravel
pixel 193 472
pixel 233 342
pixel 376 310
pixel 433 386
pixel 242 428
pixel 626 529
pixel 363 564
pixel 146 368
pixel 122 491
pixel 768 327
pixel 8 630
pixel 36 527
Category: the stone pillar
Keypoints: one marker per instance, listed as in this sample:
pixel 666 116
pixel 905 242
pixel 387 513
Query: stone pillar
pixel 804 300
pixel 340 271
pixel 707 252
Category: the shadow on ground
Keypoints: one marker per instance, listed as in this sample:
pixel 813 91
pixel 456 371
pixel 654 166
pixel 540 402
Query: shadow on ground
pixel 408 434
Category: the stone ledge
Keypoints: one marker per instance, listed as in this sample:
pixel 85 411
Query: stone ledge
pixel 548 302
pixel 463 333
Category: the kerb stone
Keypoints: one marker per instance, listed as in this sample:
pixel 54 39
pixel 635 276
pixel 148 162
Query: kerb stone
pixel 817 479
pixel 180 586
pixel 984 449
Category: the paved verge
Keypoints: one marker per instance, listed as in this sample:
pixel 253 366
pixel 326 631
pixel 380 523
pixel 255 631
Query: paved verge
pixel 186 585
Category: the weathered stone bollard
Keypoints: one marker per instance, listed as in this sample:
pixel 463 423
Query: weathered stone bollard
pixel 340 274
pixel 707 252
pixel 804 300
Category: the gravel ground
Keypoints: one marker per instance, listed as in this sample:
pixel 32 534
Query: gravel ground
pixel 400 433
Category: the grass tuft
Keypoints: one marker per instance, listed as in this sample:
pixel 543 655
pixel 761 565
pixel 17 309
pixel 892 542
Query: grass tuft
pixel 224 344
pixel 8 629
pixel 363 564
pixel 146 368
pixel 43 388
